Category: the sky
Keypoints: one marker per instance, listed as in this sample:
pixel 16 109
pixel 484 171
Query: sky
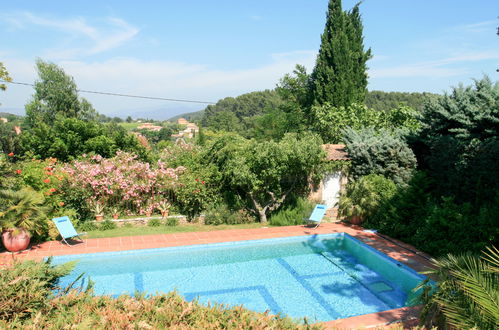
pixel 208 50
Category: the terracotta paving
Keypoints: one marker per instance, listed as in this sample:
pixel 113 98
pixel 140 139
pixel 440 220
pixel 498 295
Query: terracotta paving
pixel 401 252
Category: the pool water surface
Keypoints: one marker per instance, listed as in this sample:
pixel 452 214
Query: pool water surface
pixel 320 277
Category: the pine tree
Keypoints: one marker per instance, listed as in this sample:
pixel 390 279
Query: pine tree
pixel 339 76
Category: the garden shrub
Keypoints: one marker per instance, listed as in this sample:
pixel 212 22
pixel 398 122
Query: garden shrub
pixel 436 225
pixel 27 287
pixel 154 223
pixel 364 196
pixel 87 226
pixel 107 225
pixel 379 152
pixel 27 301
pixel 172 222
pixel 193 194
pixel 292 214
pixel 222 215
pixel 123 182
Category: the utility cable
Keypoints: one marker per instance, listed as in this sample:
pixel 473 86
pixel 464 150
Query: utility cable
pixel 119 94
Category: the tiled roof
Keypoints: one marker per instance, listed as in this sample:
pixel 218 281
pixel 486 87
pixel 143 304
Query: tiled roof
pixel 335 151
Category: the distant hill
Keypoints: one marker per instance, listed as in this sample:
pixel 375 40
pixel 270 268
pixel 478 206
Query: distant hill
pixel 195 116
pixel 378 100
pixel 383 101
pixel 10 116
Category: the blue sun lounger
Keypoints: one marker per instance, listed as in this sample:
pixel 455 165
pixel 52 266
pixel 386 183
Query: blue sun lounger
pixel 66 229
pixel 317 215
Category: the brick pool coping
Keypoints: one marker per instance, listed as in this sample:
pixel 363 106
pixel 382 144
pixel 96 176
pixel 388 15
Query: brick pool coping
pixel 391 247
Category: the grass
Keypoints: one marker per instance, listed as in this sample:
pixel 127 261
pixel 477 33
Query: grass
pixel 130 126
pixel 146 230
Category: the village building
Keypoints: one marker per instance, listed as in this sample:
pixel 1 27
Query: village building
pixel 189 131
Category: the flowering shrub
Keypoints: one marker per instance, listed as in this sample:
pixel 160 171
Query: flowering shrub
pixel 42 176
pixel 120 182
pixel 193 195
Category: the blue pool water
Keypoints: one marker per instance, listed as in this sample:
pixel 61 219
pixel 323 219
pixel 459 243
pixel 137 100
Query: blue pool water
pixel 321 277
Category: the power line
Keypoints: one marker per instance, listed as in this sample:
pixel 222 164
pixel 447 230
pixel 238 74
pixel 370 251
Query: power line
pixel 118 94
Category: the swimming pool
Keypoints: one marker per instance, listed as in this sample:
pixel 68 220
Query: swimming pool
pixel 321 277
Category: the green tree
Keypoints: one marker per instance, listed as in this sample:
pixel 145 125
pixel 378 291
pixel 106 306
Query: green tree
pixel 69 138
pixel 4 75
pixel 230 113
pixel 265 174
pixel 330 121
pixel 55 94
pixel 340 76
pixel 381 152
pixel 461 145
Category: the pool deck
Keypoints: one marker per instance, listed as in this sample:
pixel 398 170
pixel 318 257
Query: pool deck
pixel 393 248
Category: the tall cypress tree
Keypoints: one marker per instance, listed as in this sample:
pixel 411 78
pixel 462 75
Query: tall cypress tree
pixel 339 76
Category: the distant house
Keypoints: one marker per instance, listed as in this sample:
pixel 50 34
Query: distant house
pixel 5 120
pixel 188 132
pixel 150 127
pixel 328 191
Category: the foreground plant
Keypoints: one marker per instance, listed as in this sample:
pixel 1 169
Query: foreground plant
pixel 467 294
pixel 27 301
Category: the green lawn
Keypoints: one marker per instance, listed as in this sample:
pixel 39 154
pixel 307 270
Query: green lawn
pixel 130 126
pixel 146 230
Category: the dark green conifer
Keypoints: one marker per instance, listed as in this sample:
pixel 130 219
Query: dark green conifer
pixel 339 76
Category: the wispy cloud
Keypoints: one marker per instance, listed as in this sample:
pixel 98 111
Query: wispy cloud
pixel 97 39
pixel 445 67
pixel 479 27
pixel 158 78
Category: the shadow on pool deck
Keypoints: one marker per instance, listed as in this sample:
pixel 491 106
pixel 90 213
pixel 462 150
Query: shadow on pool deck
pixel 393 248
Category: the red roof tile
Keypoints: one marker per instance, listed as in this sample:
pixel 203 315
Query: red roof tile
pixel 335 152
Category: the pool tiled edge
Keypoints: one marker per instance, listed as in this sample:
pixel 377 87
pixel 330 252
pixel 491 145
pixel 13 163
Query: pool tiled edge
pixel 404 256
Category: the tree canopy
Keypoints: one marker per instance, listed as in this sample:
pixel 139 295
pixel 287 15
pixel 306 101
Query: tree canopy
pixel 55 94
pixel 340 73
pixel 265 174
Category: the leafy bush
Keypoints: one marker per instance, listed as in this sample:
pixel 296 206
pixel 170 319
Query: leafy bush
pixel 364 196
pixel 193 194
pixel 172 222
pixel 436 225
pixel 379 152
pixel 123 182
pixel 221 214
pixel 27 287
pixel 107 225
pixel 27 301
pixel 87 226
pixel 293 213
pixel 154 223
pixel 331 121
